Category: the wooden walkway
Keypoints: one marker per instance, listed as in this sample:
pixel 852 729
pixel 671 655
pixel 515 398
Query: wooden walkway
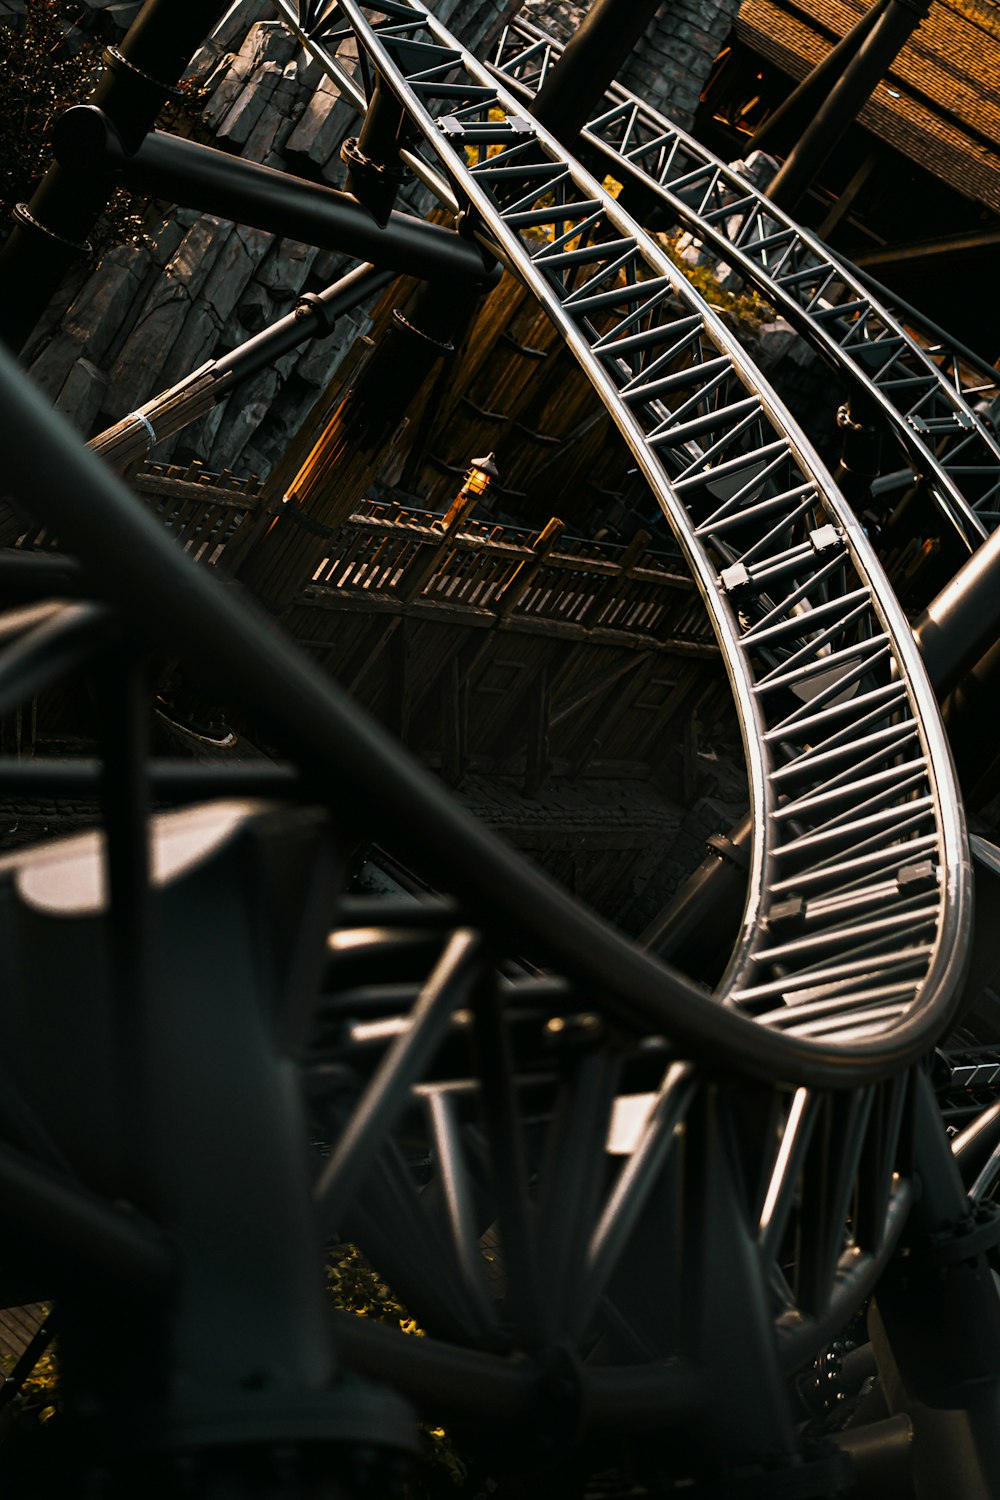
pixel 18 1326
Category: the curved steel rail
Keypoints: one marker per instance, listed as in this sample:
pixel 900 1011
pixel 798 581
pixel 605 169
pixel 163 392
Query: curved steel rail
pixel 857 901
pixel 863 831
pixel 923 394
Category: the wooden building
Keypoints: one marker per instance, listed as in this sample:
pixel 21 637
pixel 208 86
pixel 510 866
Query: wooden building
pixel 912 193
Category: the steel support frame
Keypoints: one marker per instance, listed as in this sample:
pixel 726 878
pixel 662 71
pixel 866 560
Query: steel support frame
pixel 50 233
pixel 846 99
pixel 213 181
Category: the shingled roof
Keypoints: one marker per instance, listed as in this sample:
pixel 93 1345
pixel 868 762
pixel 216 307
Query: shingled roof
pixel 939 105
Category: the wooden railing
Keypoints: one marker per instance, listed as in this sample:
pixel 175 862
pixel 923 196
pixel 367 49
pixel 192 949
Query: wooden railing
pixel 447 563
pixel 461 564
pixel 199 508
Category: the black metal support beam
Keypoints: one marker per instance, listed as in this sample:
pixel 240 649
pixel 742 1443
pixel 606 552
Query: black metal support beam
pixel 963 622
pixel 374 172
pixel 925 254
pixel 785 124
pixel 590 64
pixel 696 928
pixel 50 233
pixel 846 98
pixel 181 171
pixel 313 316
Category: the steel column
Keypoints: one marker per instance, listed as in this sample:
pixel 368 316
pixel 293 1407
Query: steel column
pixel 847 97
pixel 50 232
pixel 590 64
pixel 374 172
pixel 963 622
pixel 783 125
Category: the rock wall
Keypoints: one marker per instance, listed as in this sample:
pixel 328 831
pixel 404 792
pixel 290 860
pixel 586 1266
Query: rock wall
pixel 671 64
pixel 200 285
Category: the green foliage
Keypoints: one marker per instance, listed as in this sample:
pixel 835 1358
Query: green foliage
pixel 38 1399
pixel 741 311
pixel 42 77
pixel 356 1288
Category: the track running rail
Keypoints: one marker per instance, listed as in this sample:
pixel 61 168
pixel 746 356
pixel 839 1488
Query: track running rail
pixel 857 907
pixel 927 404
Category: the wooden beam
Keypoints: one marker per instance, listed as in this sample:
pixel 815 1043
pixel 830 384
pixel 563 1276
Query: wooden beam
pixel 536 769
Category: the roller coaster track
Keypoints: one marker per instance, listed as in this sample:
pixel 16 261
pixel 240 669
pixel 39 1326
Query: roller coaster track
pixel 858 855
pixel 857 915
pixel 925 394
pixel 766 1125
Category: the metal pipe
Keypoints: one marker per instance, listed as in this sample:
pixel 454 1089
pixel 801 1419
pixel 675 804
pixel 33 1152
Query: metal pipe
pixel 182 171
pixel 845 100
pixel 590 64
pixel 312 316
pixel 784 124
pixel 963 622
pixel 696 928
pixel 182 608
pixel 374 175
pixel 50 233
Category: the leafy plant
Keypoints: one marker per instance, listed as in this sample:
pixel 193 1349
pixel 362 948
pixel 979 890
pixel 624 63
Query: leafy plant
pixel 44 76
pixel 356 1287
pixel 742 310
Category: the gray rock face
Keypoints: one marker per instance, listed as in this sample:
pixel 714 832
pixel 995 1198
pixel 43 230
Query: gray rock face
pixel 200 285
pixel 82 395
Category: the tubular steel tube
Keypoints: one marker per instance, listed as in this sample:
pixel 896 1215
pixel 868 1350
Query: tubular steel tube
pixel 784 124
pixel 167 166
pixel 50 233
pixel 181 608
pixel 962 623
pixel 608 33
pixel 849 94
pixel 374 174
pixel 312 316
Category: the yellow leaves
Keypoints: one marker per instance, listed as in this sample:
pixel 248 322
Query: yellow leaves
pixel 356 1287
pixel 741 310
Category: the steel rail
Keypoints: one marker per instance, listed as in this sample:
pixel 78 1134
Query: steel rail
pixel 859 865
pixel 927 403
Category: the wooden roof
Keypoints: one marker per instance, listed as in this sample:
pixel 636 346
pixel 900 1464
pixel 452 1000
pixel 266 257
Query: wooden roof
pixel 939 105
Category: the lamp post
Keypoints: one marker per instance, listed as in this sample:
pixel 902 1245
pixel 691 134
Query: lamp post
pixel 481 474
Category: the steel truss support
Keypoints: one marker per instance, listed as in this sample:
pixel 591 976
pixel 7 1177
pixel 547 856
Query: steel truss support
pixel 956 633
pixel 929 392
pixel 590 64
pixel 50 233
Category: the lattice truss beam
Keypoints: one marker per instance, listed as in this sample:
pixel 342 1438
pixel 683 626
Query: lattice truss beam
pixel 930 396
pixel 857 886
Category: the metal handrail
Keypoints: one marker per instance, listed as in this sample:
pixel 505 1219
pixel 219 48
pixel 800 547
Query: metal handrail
pixel 836 893
pixel 928 406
